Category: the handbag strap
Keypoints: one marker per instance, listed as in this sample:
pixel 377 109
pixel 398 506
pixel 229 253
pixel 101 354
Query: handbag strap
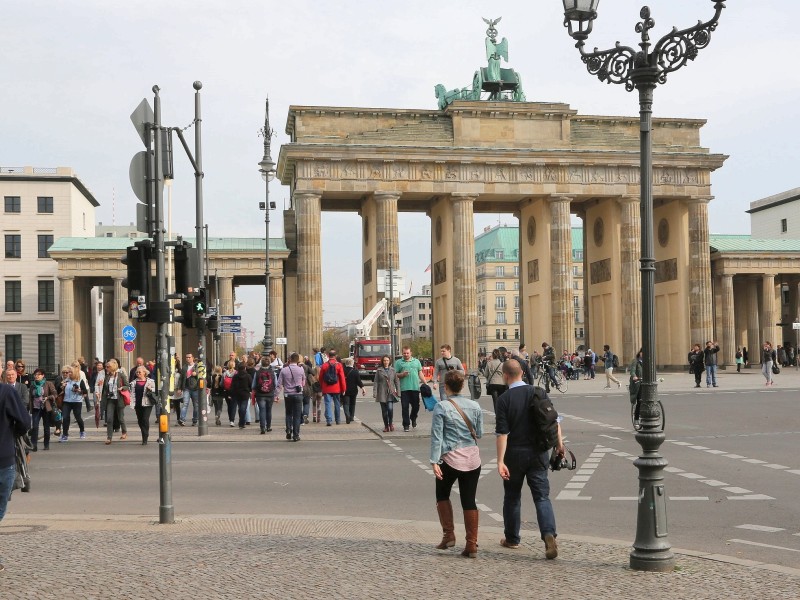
pixel 466 420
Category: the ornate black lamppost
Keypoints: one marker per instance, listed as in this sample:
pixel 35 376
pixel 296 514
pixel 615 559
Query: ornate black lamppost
pixel 267 169
pixel 643 69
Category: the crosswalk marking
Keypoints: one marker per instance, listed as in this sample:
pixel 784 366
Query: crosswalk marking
pixel 760 528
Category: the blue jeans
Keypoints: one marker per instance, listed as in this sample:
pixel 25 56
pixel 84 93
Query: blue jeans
pixel 332 399
pixel 526 462
pixel 387 412
pixel 265 411
pixel 711 375
pixel 442 395
pixel 294 407
pixel 7 477
pixel 306 405
pixel 195 396
pixel 244 403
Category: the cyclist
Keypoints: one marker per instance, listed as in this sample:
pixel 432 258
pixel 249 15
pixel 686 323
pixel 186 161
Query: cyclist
pixel 635 386
pixel 549 362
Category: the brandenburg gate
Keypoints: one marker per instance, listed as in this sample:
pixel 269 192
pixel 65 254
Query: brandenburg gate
pixel 542 162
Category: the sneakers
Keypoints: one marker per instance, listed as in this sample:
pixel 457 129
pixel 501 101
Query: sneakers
pixel 510 545
pixel 405 429
pixel 233 424
pixel 181 423
pixel 414 423
pixel 550 546
pixel 83 435
pixel 305 419
pixel 288 436
pixel 619 385
pixel 63 438
pixel 218 422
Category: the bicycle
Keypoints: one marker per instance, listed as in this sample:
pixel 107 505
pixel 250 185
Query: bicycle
pixel 541 378
pixel 636 406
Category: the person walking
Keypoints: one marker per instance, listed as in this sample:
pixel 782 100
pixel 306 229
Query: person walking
pixel 75 390
pixel 240 392
pixel 385 390
pixel 331 375
pixel 142 389
pixel 227 381
pixel 589 359
pixel 445 363
pixel 768 359
pixel 608 365
pixel 353 382
pixel 408 370
pixel 42 403
pixel 636 370
pixel 519 458
pixel 292 380
pixel 696 363
pixel 263 386
pixel 14 421
pixel 114 382
pixel 456 427
pixel 190 386
pixel 710 358
pixel 494 377
pixel 308 388
pixel 217 389
pixel 739 360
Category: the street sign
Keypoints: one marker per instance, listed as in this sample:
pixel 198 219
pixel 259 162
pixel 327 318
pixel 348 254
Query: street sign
pixel 224 318
pixel 129 346
pixel 230 329
pixel 138 176
pixel 280 341
pixel 129 333
pixel 795 325
pixel 141 115
pixel 212 311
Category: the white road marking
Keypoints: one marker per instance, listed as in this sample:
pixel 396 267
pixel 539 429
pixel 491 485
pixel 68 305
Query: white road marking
pixel 698 447
pixel 754 461
pixel 623 498
pixel 673 470
pixel 748 542
pixel 719 452
pixel 737 490
pixel 483 507
pixel 713 482
pixel 688 497
pixel 776 467
pixel 736 456
pixel 611 437
pixel 751 497
pixel 760 528
pixel 496 517
pixel 692 475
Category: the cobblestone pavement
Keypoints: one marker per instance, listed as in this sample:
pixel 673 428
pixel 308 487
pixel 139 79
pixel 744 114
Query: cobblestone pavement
pixel 297 557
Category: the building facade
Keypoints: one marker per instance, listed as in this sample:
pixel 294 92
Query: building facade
pixel 40 205
pixel 776 217
pixel 415 313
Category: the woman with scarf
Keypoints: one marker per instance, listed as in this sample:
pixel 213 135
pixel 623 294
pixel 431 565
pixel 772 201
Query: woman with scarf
pixel 113 384
pixel 385 390
pixel 142 390
pixel 42 403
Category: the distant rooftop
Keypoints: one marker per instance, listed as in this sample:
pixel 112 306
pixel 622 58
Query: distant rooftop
pixel 776 200
pixel 68 244
pixel 506 239
pixel 58 174
pixel 745 243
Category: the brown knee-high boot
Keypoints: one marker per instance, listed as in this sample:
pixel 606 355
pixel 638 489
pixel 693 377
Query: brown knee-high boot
pixel 445 510
pixel 471 526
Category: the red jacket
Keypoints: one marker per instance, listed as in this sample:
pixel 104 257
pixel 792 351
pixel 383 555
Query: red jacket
pixel 336 388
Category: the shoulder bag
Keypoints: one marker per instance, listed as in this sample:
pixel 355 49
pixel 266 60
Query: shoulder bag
pixel 123 392
pixel 466 420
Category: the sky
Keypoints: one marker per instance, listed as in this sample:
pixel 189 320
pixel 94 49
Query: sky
pixel 73 72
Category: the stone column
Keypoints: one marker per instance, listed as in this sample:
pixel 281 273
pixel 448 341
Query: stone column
pixel 308 208
pixel 631 279
pixel 753 331
pixel 563 321
pixel 276 309
pixel 226 341
pixel 769 315
pixel 108 322
pixel 66 329
pixel 465 300
pixel 700 309
pixel 386 229
pixel 120 318
pixel 728 322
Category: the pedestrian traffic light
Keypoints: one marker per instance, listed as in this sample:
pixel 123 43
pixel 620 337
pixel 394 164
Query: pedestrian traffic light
pixel 187 269
pixel 187 316
pixel 199 305
pixel 137 260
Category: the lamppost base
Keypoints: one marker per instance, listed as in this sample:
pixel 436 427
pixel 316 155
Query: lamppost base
pixel 166 515
pixel 655 562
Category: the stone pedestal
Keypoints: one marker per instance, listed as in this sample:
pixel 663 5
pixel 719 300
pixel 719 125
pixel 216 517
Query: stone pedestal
pixel 465 311
pixel 307 207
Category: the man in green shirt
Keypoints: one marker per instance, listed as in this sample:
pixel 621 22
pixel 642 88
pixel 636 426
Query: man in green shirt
pixel 408 370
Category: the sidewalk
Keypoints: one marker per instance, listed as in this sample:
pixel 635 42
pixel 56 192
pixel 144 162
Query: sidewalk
pixel 264 556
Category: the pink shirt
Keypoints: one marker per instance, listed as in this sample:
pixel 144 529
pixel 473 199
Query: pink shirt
pixel 464 459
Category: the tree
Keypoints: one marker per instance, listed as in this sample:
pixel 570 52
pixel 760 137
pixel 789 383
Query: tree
pixel 336 339
pixel 420 347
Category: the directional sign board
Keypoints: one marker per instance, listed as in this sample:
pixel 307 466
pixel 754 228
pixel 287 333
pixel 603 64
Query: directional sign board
pixel 129 333
pixel 795 325
pixel 129 346
pixel 230 330
pixel 228 318
pixel 280 341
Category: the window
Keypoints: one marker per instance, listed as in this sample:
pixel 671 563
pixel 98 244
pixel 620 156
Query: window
pixel 500 285
pixel 44 204
pixel 47 300
pixel 13 246
pixel 429 305
pixel 497 334
pixel 13 347
pixel 422 328
pixel 501 318
pixel 47 352
pixel 499 254
pixel 421 317
pixel 575 301
pixel 580 333
pixel 13 204
pixel 499 272
pixel 516 334
pixel 516 271
pixel 500 302
pixel 784 226
pixel 45 241
pixel 422 306
pixel 516 316
pixel 109 234
pixel 13 297
pixel 505 334
pixel 576 271
pixel 516 301
pixel 577 315
pixel 577 255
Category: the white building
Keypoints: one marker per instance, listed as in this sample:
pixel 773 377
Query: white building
pixel 416 315
pixel 776 217
pixel 40 205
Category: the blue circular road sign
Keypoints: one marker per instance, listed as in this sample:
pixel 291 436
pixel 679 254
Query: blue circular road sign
pixel 129 333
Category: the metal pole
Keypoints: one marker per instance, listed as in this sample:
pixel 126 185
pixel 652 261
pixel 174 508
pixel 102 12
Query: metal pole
pixel 391 309
pixel 202 401
pixel 166 511
pixel 267 168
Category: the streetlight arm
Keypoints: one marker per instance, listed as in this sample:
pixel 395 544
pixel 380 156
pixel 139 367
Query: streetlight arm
pixel 610 66
pixel 676 48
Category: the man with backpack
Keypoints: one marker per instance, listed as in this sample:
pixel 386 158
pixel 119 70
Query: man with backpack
pixel 526 427
pixel 610 362
pixel 334 384
pixel 263 386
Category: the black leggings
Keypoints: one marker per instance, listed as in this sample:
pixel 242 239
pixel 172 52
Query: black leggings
pixel 467 485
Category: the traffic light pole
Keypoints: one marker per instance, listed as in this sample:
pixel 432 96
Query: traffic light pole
pixel 166 512
pixel 202 423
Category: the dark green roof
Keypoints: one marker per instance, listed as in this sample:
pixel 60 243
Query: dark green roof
pixel 68 244
pixel 506 239
pixel 746 243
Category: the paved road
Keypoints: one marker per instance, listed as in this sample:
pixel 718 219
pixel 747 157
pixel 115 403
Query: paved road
pixel 733 481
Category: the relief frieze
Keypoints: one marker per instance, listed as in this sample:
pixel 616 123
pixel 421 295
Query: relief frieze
pixel 600 271
pixel 666 270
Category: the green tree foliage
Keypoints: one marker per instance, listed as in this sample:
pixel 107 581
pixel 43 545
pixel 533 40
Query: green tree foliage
pixel 420 348
pixel 335 339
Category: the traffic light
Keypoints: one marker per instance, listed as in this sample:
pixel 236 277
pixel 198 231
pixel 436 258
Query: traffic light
pixel 199 305
pixel 187 316
pixel 137 260
pixel 187 269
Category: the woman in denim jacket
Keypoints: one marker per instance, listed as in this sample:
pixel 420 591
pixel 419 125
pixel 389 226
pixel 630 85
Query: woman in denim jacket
pixel 455 457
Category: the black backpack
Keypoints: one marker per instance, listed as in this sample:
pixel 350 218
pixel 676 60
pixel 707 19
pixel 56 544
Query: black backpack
pixel 615 361
pixel 543 419
pixel 331 377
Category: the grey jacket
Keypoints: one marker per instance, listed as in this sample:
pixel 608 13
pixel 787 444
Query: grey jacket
pixel 386 384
